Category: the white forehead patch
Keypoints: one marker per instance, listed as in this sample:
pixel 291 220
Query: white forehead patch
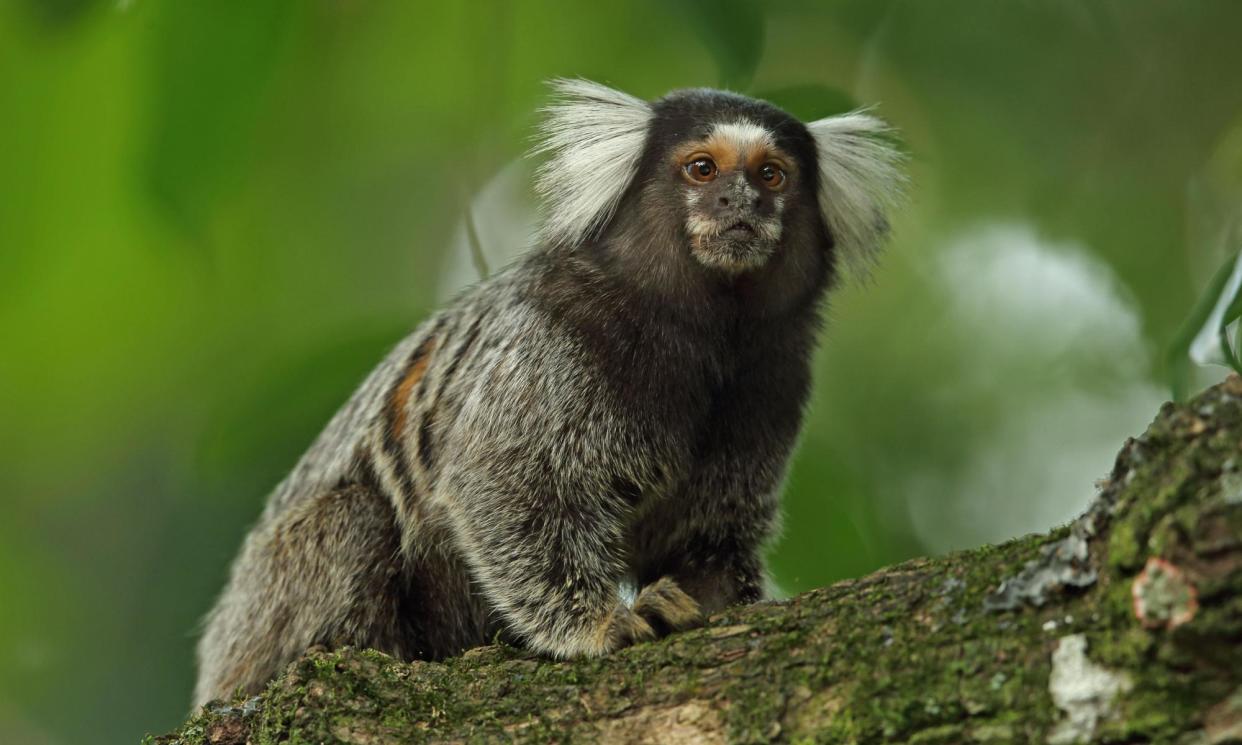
pixel 595 136
pixel 744 135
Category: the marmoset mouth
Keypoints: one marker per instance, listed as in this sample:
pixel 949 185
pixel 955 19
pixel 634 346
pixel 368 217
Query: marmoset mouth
pixel 739 228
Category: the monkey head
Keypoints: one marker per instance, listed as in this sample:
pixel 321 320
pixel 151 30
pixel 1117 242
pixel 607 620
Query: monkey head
pixel 729 167
pixel 712 179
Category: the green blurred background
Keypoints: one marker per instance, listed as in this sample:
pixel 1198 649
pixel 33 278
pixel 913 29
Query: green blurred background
pixel 216 216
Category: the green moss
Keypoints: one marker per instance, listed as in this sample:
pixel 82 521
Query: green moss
pixel 945 734
pixel 1125 547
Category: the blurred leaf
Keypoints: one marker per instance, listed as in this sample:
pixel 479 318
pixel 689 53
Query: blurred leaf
pixel 732 31
pixel 213 64
pixel 810 102
pixel 297 398
pixel 53 15
pixel 477 257
pixel 1205 337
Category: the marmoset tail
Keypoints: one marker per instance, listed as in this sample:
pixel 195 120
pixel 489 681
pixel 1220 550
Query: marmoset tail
pixel 584 451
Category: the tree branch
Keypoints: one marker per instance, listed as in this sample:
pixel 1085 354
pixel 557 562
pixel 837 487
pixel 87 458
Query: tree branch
pixel 1125 626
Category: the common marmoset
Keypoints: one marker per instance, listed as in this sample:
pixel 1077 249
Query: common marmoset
pixel 616 410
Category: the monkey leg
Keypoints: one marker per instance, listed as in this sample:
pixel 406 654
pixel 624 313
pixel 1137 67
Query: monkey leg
pixel 717 573
pixel 325 571
pixel 713 559
pixel 667 607
pixel 552 567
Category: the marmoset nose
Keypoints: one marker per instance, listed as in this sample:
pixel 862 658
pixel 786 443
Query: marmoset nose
pixel 737 194
pixel 738 200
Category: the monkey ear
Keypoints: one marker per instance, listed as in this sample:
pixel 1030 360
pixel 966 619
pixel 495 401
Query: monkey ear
pixel 595 136
pixel 860 180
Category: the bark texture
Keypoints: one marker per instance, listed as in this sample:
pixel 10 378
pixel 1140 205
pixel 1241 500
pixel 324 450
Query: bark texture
pixel 1123 627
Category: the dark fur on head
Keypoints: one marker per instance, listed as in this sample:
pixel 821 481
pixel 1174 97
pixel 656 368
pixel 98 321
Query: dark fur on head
pixel 648 242
pixel 616 410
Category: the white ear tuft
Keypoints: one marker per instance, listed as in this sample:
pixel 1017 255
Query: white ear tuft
pixel 860 180
pixel 595 136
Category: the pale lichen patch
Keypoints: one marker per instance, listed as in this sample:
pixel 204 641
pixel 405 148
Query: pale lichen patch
pixel 1231 484
pixel 1163 596
pixel 1085 691
pixel 1060 564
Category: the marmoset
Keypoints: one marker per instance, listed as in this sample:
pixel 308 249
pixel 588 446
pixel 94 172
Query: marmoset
pixel 585 450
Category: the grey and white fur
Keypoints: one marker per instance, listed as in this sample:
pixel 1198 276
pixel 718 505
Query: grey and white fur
pixel 615 410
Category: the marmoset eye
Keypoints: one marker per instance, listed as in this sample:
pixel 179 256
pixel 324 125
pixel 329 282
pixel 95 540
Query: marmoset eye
pixel 771 175
pixel 701 169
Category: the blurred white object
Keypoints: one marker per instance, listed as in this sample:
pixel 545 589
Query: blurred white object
pixel 1052 344
pixel 505 221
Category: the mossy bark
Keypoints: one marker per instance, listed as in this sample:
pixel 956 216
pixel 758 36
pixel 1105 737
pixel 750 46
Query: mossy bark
pixel 1124 627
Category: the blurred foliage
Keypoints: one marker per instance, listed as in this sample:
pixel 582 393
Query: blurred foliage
pixel 1210 335
pixel 216 216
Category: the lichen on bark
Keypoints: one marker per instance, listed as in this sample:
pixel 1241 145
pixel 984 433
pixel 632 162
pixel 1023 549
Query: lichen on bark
pixel 957 649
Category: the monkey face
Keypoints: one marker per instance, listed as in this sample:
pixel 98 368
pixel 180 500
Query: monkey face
pixel 703 185
pixel 733 183
pixel 732 186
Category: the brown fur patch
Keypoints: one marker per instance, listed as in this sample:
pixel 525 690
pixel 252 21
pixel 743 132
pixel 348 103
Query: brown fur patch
pixel 400 400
